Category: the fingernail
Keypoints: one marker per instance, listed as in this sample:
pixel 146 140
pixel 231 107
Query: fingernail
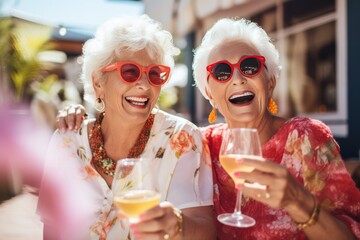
pixel 63 130
pixel 70 127
pixel 133 227
pixel 239 186
pixel 236 174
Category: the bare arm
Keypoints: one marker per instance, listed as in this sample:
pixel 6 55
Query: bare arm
pixel 285 192
pixel 326 227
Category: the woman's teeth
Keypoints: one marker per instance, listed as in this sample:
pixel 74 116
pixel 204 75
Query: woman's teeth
pixel 242 98
pixel 137 100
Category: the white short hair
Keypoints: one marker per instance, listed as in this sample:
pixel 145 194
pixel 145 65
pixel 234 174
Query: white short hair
pixel 241 30
pixel 119 34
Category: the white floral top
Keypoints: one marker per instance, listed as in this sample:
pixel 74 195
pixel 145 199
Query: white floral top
pixel 76 203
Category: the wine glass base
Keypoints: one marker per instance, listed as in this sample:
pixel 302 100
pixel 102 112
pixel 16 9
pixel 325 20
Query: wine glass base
pixel 236 220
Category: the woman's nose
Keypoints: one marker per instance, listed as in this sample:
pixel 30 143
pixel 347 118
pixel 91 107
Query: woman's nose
pixel 143 81
pixel 238 78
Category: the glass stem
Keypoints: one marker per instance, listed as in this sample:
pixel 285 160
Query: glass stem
pixel 237 210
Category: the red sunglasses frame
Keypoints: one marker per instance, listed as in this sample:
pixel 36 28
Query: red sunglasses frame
pixel 117 66
pixel 237 65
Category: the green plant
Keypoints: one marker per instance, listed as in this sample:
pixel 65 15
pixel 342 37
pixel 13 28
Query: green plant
pixel 18 59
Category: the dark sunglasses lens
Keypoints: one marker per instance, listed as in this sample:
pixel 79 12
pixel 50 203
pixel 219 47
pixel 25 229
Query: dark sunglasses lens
pixel 130 72
pixel 250 66
pixel 221 71
pixel 158 75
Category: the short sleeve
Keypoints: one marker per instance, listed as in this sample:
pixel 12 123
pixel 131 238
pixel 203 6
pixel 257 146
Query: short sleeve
pixel 191 184
pixel 49 207
pixel 48 190
pixel 63 190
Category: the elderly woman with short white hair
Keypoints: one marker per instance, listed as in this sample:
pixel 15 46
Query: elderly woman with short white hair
pixel 306 190
pixel 125 66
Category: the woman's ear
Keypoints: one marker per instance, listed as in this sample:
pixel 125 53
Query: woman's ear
pixel 97 84
pixel 271 85
pixel 208 94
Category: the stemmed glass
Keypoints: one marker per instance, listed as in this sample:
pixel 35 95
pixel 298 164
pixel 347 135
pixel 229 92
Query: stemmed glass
pixel 134 191
pixel 238 143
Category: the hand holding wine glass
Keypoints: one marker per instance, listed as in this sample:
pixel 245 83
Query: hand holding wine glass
pixel 135 191
pixel 239 143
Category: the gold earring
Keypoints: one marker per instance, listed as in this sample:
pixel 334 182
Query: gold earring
pixel 212 115
pixel 99 104
pixel 272 107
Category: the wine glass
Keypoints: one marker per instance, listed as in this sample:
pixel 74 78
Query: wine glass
pixel 134 191
pixel 238 143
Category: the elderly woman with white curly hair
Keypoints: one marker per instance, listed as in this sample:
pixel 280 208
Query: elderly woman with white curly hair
pixel 307 191
pixel 125 66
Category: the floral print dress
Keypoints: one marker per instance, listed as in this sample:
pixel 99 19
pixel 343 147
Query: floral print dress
pixel 76 203
pixel 308 150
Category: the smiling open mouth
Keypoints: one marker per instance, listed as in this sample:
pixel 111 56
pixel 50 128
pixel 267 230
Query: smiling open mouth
pixel 242 98
pixel 138 101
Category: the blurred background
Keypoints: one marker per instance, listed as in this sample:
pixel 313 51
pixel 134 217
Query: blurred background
pixel 40 61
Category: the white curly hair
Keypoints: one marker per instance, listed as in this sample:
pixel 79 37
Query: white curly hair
pixel 119 34
pixel 241 30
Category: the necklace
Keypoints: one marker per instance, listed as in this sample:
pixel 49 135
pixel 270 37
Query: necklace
pixel 100 157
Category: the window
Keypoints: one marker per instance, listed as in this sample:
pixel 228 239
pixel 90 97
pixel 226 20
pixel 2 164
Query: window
pixel 312 45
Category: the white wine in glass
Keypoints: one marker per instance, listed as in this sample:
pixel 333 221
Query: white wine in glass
pixel 238 143
pixel 135 191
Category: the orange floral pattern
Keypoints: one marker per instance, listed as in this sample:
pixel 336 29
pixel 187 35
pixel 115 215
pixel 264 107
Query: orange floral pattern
pixel 172 140
pixel 181 142
pixel 308 150
pixel 89 172
pixel 206 153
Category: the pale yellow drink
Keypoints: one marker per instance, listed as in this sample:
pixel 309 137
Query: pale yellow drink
pixel 135 202
pixel 228 162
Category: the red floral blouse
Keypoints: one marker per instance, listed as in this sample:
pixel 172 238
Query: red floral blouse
pixel 307 148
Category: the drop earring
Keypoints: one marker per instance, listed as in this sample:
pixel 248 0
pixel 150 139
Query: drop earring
pixel 272 107
pixel 212 115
